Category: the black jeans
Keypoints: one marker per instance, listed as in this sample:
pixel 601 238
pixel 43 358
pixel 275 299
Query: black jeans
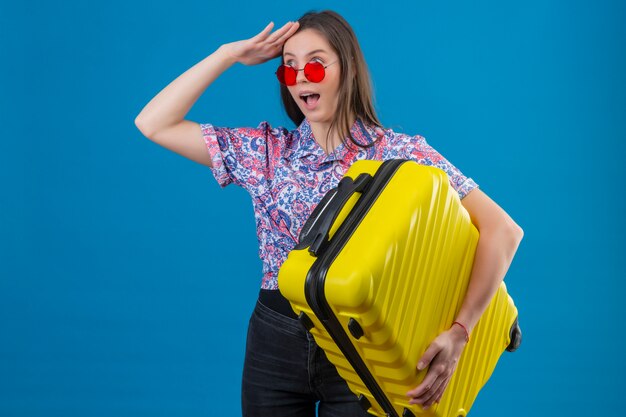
pixel 285 373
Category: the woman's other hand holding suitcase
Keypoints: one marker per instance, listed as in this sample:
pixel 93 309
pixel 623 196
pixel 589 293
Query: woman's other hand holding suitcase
pixel 441 358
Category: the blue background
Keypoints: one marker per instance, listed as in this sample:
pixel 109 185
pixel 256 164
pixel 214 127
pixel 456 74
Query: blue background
pixel 127 275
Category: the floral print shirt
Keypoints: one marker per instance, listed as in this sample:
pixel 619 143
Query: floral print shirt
pixel 287 173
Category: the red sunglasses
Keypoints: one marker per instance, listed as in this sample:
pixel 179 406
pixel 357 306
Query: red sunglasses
pixel 313 71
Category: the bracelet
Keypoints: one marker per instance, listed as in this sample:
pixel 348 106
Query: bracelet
pixel 465 329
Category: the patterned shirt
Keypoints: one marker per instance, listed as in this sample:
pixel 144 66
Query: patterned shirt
pixel 287 173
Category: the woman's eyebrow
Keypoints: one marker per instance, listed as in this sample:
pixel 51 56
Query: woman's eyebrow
pixel 309 54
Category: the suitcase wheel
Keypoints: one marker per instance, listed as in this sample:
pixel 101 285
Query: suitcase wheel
pixel 305 321
pixel 516 337
pixel 355 328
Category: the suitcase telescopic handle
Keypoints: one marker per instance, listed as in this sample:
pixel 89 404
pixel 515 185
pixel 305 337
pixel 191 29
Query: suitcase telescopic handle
pixel 316 230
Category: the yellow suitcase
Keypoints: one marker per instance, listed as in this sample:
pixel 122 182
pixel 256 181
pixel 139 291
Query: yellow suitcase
pixel 381 268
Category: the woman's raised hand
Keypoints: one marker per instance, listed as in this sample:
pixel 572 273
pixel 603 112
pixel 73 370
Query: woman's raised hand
pixel 262 47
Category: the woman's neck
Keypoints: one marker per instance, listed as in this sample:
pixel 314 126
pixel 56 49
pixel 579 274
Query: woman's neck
pixel 320 130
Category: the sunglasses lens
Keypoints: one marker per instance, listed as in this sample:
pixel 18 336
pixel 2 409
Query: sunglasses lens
pixel 314 72
pixel 286 75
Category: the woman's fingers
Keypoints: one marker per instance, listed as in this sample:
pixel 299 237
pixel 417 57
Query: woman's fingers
pixel 436 397
pixel 435 392
pixel 263 46
pixel 425 391
pixel 440 391
pixel 264 33
pixel 292 29
pixel 278 32
pixel 283 33
pixel 433 349
pixel 432 374
pixel 427 384
pixel 429 394
pixel 441 357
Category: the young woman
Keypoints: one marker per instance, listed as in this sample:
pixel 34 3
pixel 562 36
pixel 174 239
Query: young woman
pixel 326 91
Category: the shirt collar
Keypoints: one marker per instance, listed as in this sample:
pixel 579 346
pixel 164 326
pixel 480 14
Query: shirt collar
pixel 362 132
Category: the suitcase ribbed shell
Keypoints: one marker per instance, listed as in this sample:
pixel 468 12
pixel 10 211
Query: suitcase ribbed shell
pixel 402 275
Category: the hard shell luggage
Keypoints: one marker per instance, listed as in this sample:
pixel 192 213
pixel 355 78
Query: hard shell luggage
pixel 381 268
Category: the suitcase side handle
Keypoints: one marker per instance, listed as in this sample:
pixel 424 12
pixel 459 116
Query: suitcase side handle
pixel 316 230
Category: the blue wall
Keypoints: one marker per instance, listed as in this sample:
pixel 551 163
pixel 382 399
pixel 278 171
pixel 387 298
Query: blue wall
pixel 127 276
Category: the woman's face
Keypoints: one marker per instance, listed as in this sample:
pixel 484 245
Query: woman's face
pixel 307 46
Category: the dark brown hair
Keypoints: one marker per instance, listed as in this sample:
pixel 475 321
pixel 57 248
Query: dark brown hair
pixel 355 88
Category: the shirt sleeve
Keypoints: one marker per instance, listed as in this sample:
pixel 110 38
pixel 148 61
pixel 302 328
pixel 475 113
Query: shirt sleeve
pixel 421 152
pixel 243 155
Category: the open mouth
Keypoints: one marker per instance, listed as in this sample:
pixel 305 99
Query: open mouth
pixel 310 99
